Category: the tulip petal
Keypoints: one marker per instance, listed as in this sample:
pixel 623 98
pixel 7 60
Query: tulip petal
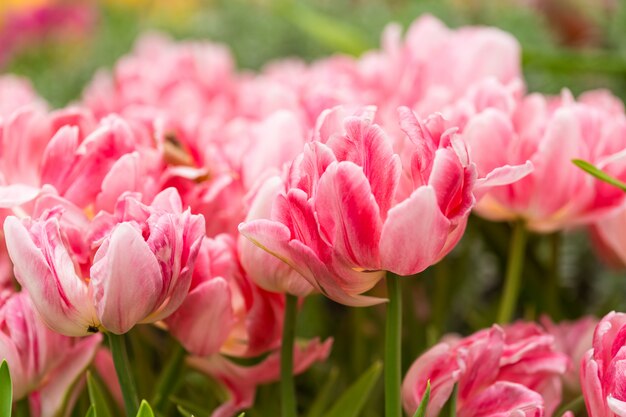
pixel 54 393
pixel 210 302
pixel 126 279
pixel 48 274
pixel 17 194
pixel 348 215
pixel 503 399
pixel 414 234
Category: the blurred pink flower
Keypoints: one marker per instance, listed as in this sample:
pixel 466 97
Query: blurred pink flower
pixel 602 373
pixel 551 132
pixel 242 381
pixel 499 371
pixel 573 338
pixel 250 319
pixel 44 365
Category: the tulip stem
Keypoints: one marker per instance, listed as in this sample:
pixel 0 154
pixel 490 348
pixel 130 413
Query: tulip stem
pixel 287 386
pixel 393 348
pixel 124 375
pixel 513 276
pixel 169 377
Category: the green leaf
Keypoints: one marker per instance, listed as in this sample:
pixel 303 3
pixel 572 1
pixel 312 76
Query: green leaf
pixel 6 390
pixel 145 410
pixel 97 397
pixel 327 30
pixel 353 399
pixel 421 410
pixel 183 411
pixel 599 174
pixel 320 404
pixel 91 412
pixel 242 415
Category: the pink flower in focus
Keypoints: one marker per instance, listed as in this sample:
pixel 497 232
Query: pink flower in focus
pixel 498 371
pixel 550 133
pixel 349 210
pixel 141 271
pixel 44 365
pixel 603 374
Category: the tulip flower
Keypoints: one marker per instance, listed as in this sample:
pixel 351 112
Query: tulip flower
pixel 44 365
pixel 349 210
pixel 220 292
pixel 499 371
pixel 551 132
pixel 602 375
pixel 242 381
pixel 141 270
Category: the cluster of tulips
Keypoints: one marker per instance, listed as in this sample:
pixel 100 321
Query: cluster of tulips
pixel 207 201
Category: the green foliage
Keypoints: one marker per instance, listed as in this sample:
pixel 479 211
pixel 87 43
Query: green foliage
pixel 599 174
pixel 354 398
pixel 421 410
pixel 6 390
pixel 145 410
pixel 98 398
pixel 183 411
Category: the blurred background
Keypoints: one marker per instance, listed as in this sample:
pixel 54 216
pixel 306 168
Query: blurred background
pixel 578 44
pixel 59 44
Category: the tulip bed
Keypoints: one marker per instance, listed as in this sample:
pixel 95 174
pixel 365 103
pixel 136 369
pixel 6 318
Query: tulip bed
pixel 410 230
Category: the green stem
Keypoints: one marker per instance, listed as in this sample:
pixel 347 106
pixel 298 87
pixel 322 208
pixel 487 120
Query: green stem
pixel 287 386
pixel 553 303
pixel 575 405
pixel 393 349
pixel 169 377
pixel 124 375
pixel 513 273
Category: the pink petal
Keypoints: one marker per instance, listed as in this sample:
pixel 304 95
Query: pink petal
pixel 17 194
pixel 59 156
pixel 61 379
pixel 264 269
pixel 452 183
pixel 126 279
pixel 414 234
pixel 242 381
pixel 49 275
pixel 503 175
pixel 209 302
pixel 348 215
pixel 503 399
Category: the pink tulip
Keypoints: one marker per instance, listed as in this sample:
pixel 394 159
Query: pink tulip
pixel 250 318
pixel 349 210
pixel 141 270
pixel 178 82
pixel 16 92
pixel 573 338
pixel 43 364
pixel 404 73
pixel 242 381
pixel 498 371
pixel 551 132
pixel 602 372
